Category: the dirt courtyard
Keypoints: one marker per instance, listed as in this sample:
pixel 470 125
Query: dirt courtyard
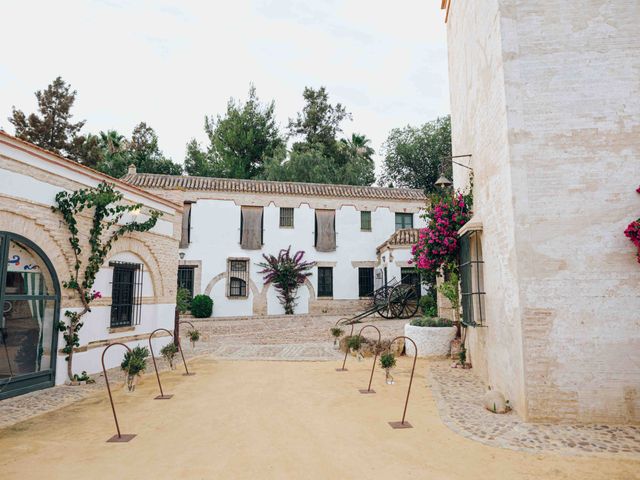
pixel 273 420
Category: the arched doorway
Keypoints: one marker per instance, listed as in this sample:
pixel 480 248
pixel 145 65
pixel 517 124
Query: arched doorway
pixel 30 300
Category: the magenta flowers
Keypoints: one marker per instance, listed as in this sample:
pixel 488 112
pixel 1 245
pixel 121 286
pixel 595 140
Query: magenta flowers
pixel 632 232
pixel 286 273
pixel 438 243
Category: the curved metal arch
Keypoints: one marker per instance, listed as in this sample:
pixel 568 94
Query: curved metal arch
pixel 375 357
pixel 403 424
pixel 162 396
pixel 180 346
pixel 118 437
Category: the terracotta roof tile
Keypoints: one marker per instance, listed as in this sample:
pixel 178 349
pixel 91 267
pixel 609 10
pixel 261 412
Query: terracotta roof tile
pixel 149 180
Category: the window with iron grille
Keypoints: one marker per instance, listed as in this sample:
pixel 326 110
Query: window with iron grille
pixel 126 294
pixel 286 217
pixel 471 279
pixel 325 281
pixel 404 220
pixel 365 221
pixel 238 277
pixel 365 282
pixel 185 278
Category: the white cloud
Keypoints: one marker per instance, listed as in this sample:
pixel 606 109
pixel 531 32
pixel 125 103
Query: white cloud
pixel 171 63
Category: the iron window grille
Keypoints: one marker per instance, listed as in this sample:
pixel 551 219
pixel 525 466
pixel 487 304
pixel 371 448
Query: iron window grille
pixel 325 281
pixel 365 282
pixel 126 294
pixel 186 278
pixel 409 276
pixel 286 217
pixel 471 279
pixel 238 275
pixel 404 220
pixel 365 221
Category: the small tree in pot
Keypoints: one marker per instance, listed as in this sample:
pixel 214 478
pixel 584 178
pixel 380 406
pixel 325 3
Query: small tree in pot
pixel 134 363
pixel 169 352
pixel 387 362
pixel 286 273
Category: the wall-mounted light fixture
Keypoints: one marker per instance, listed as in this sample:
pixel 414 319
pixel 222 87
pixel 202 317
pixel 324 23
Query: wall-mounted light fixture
pixel 443 182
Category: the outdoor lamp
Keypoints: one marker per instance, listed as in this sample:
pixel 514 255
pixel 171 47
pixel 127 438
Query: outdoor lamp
pixel 443 182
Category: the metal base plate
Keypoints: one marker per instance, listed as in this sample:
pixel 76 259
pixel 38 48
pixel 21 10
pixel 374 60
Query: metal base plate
pixel 400 425
pixel 363 391
pixel 125 437
pixel 163 397
pixel 190 374
pixel 341 369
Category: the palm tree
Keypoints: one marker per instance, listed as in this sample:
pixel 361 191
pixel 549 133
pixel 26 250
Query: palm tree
pixel 359 145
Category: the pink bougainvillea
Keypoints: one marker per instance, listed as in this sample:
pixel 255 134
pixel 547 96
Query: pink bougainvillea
pixel 632 232
pixel 438 243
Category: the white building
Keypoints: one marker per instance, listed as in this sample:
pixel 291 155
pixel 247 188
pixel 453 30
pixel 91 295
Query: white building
pixel 36 257
pixel 229 224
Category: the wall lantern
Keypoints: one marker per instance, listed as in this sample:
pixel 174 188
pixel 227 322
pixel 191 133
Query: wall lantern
pixel 443 182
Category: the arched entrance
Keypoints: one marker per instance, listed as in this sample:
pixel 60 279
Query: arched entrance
pixel 30 300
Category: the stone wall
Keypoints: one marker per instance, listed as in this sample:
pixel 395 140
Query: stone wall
pixel 546 97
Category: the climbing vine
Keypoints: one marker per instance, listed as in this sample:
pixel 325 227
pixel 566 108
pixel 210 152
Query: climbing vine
pixel 632 232
pixel 106 228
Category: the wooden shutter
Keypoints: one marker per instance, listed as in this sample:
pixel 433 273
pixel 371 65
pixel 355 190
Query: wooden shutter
pixel 251 235
pixel 186 224
pixel 325 230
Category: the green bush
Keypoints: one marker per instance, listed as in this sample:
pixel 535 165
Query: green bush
pixel 432 322
pixel 201 306
pixel 183 300
pixel 354 342
pixel 387 360
pixel 428 306
pixel 169 353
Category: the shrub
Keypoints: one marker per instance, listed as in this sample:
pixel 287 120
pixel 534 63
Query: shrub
pixel 194 335
pixel 135 361
pixel 201 306
pixel 336 331
pixel 169 353
pixel 432 322
pixel 428 306
pixel 183 300
pixel 354 342
pixel 387 360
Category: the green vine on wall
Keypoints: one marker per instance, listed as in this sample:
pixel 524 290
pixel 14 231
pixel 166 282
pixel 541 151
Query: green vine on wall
pixel 106 229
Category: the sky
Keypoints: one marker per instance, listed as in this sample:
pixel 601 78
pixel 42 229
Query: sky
pixel 171 63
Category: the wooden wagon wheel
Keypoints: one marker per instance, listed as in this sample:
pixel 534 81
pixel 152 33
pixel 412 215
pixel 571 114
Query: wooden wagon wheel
pixel 403 301
pixel 381 302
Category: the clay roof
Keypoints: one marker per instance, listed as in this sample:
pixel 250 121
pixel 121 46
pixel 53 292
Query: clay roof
pixel 149 180
pixel 402 237
pixel 54 158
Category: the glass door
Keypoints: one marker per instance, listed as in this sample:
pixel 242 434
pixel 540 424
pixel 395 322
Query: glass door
pixel 30 299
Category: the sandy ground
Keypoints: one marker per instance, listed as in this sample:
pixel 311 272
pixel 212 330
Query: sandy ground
pixel 264 420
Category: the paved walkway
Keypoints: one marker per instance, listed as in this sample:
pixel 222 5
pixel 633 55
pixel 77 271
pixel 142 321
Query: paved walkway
pixel 459 394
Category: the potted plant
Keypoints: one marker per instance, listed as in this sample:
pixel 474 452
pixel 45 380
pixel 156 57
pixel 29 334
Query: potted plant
pixel 336 332
pixel 387 362
pixel 194 336
pixel 354 344
pixel 82 379
pixel 432 335
pixel 168 352
pixel 201 306
pixel 134 363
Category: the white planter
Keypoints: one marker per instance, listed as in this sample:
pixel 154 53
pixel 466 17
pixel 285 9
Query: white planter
pixel 431 341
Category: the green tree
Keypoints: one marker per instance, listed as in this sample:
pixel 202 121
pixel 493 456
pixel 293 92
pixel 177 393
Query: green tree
pixel 146 155
pixel 413 155
pixel 51 127
pixel 239 142
pixel 319 122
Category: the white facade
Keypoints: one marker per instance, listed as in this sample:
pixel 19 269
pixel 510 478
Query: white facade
pixel 29 180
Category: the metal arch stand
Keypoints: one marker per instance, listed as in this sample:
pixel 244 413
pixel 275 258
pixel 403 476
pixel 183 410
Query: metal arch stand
pixel 119 437
pixel 162 396
pixel 375 357
pixel 403 423
pixel 346 350
pixel 187 373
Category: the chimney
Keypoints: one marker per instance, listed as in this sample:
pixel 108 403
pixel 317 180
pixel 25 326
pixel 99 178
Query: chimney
pixel 132 170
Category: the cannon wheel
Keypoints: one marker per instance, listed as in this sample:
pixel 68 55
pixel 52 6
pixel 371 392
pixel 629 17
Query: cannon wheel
pixel 381 302
pixel 403 301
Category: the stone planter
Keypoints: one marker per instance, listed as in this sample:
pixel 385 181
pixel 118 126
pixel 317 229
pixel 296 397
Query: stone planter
pixel 431 341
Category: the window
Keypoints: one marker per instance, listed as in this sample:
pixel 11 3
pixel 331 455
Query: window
pixel 365 282
pixel 365 221
pixel 409 276
pixel 185 237
pixel 325 281
pixel 185 278
pixel 126 293
pixel 238 275
pixel 286 217
pixel 471 278
pixel 325 231
pixel 251 228
pixel 404 220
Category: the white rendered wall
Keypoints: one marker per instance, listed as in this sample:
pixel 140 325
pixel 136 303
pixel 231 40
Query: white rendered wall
pixel 215 237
